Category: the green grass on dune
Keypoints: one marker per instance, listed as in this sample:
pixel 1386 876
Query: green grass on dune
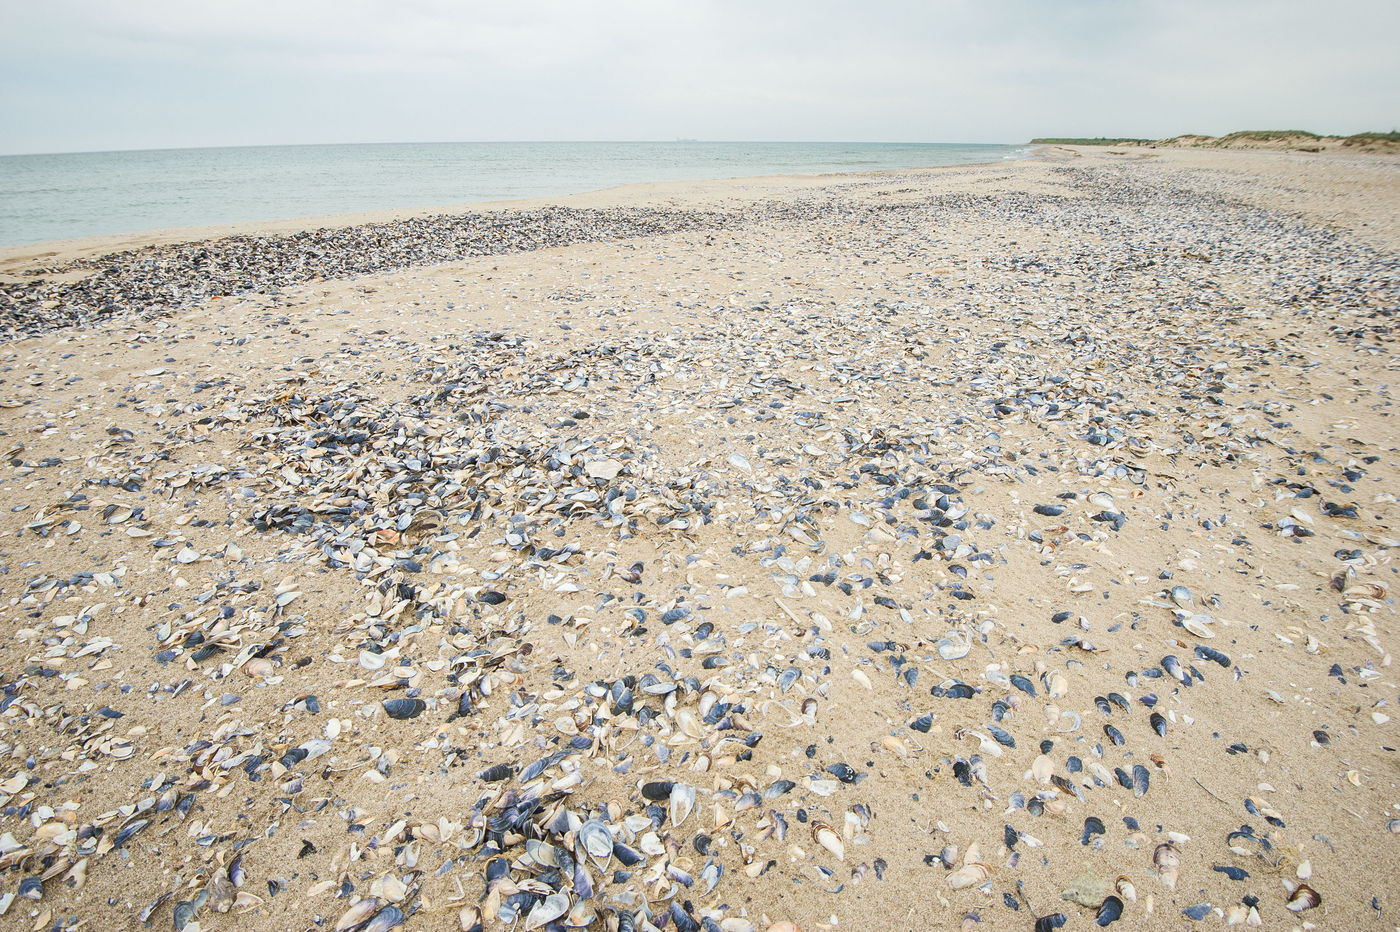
pixel 1240 136
pixel 1266 135
pixel 1364 138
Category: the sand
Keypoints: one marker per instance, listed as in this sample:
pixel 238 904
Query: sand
pixel 1188 350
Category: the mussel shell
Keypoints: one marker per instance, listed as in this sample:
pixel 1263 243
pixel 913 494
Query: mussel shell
pixel 1110 911
pixel 129 832
pixel 183 915
pixel 496 773
pixel 630 857
pixel 1210 653
pixel 547 910
pixel 404 708
pixel 657 790
pixel 1002 736
pixel 597 839
pixel 1141 780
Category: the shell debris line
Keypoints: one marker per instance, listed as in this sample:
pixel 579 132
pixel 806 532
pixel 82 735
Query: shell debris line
pixel 1002 547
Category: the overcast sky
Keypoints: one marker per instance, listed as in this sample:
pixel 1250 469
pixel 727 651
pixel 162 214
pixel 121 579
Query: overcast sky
pixel 150 73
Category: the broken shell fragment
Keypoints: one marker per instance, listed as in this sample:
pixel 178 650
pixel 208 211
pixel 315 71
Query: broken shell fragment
pixel 1166 860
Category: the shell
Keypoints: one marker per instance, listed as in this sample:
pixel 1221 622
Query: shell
pixel 547 910
pixel 682 803
pixel 826 836
pixel 1199 625
pixel 1166 859
pixel 1110 911
pixel 404 708
pixel 596 839
pixel 969 875
pixel 1303 897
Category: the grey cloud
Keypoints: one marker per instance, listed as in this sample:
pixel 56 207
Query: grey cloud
pixel 84 75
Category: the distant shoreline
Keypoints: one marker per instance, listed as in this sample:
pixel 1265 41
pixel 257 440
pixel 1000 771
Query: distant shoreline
pixel 1295 139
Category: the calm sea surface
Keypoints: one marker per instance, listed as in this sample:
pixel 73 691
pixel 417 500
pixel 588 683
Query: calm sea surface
pixel 45 197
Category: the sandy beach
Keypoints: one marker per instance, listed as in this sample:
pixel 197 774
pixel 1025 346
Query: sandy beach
pixel 955 548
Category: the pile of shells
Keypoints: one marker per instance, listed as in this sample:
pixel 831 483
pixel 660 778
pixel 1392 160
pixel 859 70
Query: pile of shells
pixel 156 280
pixel 722 619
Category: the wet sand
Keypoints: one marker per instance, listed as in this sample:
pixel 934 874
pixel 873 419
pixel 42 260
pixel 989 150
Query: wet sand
pixel 994 542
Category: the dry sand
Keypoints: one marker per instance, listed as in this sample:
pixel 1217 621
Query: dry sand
pixel 820 424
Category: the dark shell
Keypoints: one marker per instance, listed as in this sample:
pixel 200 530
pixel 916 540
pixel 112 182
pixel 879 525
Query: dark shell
pixel 130 832
pixel 389 917
pixel 778 789
pixel 631 857
pixel 1110 911
pixel 496 773
pixel 657 790
pixel 1210 653
pixel 1141 780
pixel 404 708
pixel 184 912
pixel 1002 736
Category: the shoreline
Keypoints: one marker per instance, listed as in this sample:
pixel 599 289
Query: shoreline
pixel 44 285
pixel 14 257
pixel 987 541
pixel 363 216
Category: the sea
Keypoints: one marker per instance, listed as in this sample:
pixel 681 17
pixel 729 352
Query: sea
pixel 60 196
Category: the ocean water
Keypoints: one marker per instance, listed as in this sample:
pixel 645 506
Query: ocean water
pixel 44 197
